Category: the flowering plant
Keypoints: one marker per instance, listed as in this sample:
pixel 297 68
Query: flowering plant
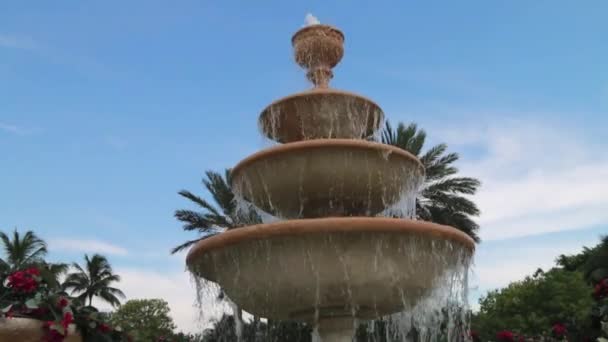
pixel 26 293
pixel 600 310
pixel 505 336
pixel 559 331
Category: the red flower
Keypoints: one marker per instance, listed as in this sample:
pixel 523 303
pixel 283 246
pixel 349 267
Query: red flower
pixel 559 330
pixel 23 281
pixel 104 328
pixel 505 336
pixel 68 318
pixel 62 302
pixel 601 289
pixel 33 271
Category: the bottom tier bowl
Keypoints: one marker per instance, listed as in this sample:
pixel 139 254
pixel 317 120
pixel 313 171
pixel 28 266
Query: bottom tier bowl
pixel 315 269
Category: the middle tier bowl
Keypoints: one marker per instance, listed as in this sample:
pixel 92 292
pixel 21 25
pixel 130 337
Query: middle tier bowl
pixel 329 177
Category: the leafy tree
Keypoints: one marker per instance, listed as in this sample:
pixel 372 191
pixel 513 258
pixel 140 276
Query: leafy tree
pixel 257 331
pixel 441 198
pixel 144 319
pixel 532 306
pixel 95 279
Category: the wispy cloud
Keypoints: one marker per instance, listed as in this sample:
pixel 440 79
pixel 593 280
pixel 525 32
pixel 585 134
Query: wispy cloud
pixel 86 246
pixel 17 42
pixel 13 129
pixel 54 54
pixel 537 178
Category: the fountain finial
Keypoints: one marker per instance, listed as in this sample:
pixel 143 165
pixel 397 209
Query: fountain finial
pixel 318 48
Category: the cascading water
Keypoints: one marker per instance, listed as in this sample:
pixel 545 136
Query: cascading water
pixel 332 239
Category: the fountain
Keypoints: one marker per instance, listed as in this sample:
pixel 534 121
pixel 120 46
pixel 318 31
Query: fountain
pixel 343 246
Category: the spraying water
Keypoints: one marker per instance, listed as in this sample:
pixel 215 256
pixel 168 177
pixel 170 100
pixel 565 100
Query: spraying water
pixel 310 19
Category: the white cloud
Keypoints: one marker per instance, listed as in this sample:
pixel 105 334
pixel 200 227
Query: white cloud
pixel 87 246
pixel 175 287
pixel 494 270
pixel 536 177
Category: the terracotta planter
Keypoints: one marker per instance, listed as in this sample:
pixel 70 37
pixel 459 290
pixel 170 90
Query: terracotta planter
pixel 29 330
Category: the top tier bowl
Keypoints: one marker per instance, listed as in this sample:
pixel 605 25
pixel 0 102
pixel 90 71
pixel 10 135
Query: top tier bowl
pixel 318 48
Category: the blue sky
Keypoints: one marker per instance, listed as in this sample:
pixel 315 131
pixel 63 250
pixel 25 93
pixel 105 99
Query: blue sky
pixel 108 108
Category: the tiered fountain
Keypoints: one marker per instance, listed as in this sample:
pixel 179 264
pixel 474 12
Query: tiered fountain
pixel 343 245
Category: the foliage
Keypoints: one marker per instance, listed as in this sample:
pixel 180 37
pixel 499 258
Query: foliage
pixel 144 319
pixel 182 337
pixel 442 198
pixel 22 251
pixel 94 280
pixel 214 218
pixel 532 306
pixel 257 331
pixel 555 303
pixel 595 266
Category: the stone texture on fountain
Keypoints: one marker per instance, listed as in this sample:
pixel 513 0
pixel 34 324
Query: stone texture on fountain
pixel 318 48
pixel 328 264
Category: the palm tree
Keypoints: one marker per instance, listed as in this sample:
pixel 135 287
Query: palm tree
pixel 94 280
pixel 21 251
pixel 440 199
pixel 26 251
pixel 214 218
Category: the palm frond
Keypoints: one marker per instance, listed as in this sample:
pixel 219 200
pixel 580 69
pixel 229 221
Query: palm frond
pixel 187 244
pixel 441 197
pixel 454 185
pixel 201 202
pixel 219 188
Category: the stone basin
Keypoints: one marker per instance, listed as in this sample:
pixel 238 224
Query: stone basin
pixel 322 269
pixel 327 177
